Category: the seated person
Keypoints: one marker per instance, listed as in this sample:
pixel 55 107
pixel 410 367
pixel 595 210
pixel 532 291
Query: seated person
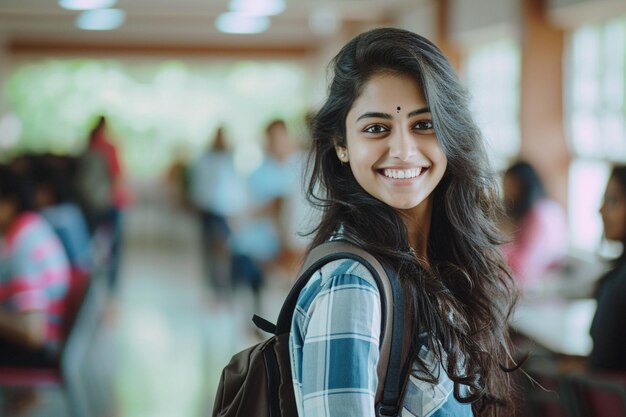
pixel 536 225
pixel 52 197
pixel 34 278
pixel 607 328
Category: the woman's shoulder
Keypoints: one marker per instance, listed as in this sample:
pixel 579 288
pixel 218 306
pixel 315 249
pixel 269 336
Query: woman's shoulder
pixel 345 267
pixel 341 275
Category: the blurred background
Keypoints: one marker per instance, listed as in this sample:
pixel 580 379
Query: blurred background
pixel 186 87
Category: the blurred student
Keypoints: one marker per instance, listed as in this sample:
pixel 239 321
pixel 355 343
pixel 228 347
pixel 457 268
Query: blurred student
pixel 104 192
pixel 34 279
pixel 177 179
pixel 53 199
pixel 536 226
pixel 607 328
pixel 297 216
pixel 218 192
pixel 258 237
pixel 270 185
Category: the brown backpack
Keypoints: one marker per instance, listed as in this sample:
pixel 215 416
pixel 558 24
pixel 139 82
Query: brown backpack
pixel 258 383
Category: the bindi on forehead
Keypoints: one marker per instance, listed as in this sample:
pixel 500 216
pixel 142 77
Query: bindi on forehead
pixel 398 109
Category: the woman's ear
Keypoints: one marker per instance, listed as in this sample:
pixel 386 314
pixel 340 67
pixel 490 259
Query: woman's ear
pixel 342 154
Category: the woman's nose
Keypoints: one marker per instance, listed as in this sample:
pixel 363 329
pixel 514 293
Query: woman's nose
pixel 402 146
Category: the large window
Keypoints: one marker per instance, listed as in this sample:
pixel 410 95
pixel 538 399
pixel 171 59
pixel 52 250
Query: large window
pixel 156 108
pixel 492 72
pixel 596 122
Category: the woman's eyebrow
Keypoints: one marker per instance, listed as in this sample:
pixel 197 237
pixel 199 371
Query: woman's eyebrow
pixel 379 115
pixel 419 111
pixel 376 115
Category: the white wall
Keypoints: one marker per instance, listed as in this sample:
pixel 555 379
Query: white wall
pixel 318 65
pixel 474 21
pixel 421 18
pixel 572 13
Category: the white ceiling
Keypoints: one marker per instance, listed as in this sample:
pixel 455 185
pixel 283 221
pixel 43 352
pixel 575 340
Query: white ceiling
pixel 181 24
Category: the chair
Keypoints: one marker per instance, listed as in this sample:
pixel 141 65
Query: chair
pixel 601 394
pixel 79 281
pixel 547 390
pixel 86 299
pixel 549 396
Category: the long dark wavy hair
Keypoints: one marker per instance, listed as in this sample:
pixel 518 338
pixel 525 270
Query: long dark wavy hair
pixel 462 296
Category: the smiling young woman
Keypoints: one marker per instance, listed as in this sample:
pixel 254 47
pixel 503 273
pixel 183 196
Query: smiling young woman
pixel 398 167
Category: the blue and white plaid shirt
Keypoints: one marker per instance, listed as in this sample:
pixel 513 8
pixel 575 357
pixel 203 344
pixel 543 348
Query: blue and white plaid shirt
pixel 334 348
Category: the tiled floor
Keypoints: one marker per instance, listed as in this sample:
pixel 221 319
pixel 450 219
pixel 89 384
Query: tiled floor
pixel 164 339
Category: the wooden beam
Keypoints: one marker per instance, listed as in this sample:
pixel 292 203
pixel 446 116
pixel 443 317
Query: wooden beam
pixel 78 48
pixel 443 34
pixel 542 120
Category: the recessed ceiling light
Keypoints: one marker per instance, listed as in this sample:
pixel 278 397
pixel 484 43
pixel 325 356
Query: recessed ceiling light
pixel 232 22
pixel 86 4
pixel 258 7
pixel 100 19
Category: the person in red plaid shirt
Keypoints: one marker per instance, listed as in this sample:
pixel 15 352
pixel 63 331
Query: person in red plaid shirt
pixel 34 279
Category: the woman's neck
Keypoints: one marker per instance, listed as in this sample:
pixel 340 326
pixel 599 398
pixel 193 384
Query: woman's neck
pixel 417 222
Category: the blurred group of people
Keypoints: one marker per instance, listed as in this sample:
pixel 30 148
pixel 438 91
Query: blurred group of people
pixel 56 211
pixel 536 227
pixel 249 220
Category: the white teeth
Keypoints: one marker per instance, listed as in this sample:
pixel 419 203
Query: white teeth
pixel 402 173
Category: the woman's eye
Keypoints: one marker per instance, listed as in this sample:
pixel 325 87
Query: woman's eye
pixel 375 129
pixel 424 125
pixel 611 200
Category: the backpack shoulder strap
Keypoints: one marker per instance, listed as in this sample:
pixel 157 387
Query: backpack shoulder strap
pixel 390 386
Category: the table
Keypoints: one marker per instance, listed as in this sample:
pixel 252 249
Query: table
pixel 560 325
